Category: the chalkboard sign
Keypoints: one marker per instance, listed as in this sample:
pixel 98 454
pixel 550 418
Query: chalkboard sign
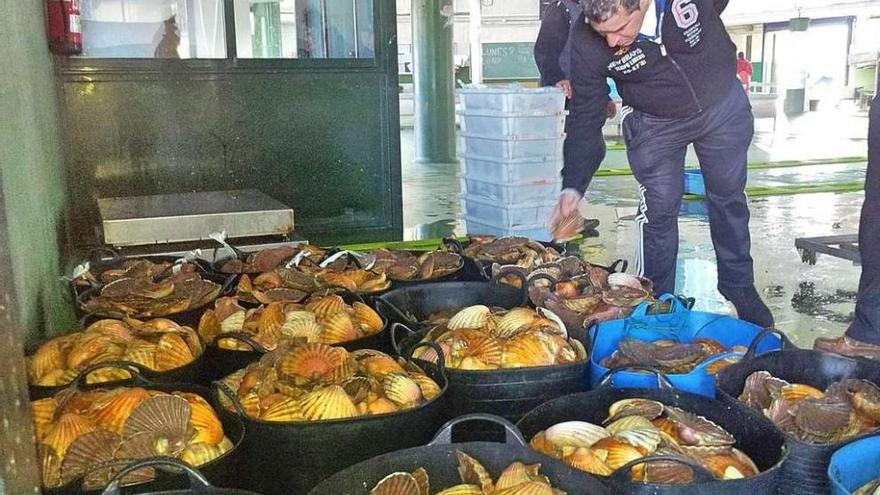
pixel 509 61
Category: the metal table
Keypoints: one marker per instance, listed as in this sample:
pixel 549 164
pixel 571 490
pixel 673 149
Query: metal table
pixel 839 246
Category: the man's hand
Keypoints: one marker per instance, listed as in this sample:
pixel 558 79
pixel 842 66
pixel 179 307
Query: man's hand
pixel 611 110
pixel 566 221
pixel 565 86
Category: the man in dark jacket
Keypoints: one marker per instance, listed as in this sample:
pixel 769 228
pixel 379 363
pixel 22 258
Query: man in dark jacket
pixel 863 336
pixel 675 66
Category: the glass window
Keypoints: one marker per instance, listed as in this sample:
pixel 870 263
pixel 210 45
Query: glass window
pixel 304 28
pixel 153 29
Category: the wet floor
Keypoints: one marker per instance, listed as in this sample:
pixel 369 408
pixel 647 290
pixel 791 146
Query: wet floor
pixel 807 301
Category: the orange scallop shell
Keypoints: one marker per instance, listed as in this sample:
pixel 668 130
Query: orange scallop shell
pixel 328 403
pixel 172 353
pixel 343 280
pixel 88 350
pixel 65 430
pixel 204 420
pixel 43 411
pixel 402 390
pixel 284 410
pixel 209 326
pixel 339 329
pixel 380 365
pixel 115 329
pixel 368 319
pixel 397 484
pixel 198 454
pixel 430 389
pixel 303 329
pixel 47 358
pixel 326 306
pixel 271 319
pixel 311 361
pixel 111 413
pixel 616 452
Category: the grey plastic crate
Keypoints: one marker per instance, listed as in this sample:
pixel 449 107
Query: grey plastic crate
pixel 511 171
pixel 513 148
pixel 537 232
pixel 499 124
pixel 537 191
pixel 513 100
pixel 507 216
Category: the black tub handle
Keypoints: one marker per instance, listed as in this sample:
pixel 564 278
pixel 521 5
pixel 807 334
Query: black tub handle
pixel 619 266
pixel 394 312
pixel 753 346
pixel 453 245
pixel 197 482
pixel 397 343
pixel 512 435
pixel 94 255
pixel 621 475
pixel 242 255
pixel 441 357
pixel 135 370
pixel 544 276
pixel 223 389
pixel 241 337
pixel 230 281
pixel 662 380
pixel 524 282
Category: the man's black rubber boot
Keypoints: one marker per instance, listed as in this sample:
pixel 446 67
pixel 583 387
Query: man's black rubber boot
pixel 749 306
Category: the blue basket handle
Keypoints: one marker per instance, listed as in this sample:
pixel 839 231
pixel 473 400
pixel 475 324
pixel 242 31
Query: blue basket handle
pixel 524 282
pixel 619 266
pixel 512 435
pixel 621 476
pixel 641 310
pixel 753 346
pixel 197 481
pixel 607 380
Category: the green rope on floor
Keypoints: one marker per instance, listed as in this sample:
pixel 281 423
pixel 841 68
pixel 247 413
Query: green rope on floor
pixel 754 192
pixel 621 172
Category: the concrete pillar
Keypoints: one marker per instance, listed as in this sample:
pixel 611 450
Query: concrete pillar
pixel 476 25
pixel 433 80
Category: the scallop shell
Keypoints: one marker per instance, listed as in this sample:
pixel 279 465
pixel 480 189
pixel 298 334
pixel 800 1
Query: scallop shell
pixel 311 361
pixel 755 393
pixel 43 412
pixel 338 329
pixel 473 317
pixel 167 416
pixel 473 364
pixel 515 320
pixel 87 351
pixel 380 365
pixel 647 440
pixel 209 326
pixel 304 329
pixel 575 434
pixel 343 280
pixel 629 423
pixel 529 488
pixel 616 452
pixel 516 474
pixel 66 430
pixel 462 490
pixel 731 466
pixel 197 454
pixel 142 353
pixel 421 477
pixel 539 443
pixel 234 322
pixel 584 459
pixel 697 430
pixel 327 306
pixel 328 403
pixel 368 319
pixel 172 353
pixel 526 350
pixel 397 484
pixel 473 473
pixel 485 348
pixel 402 390
pixel 115 329
pixel 47 358
pixel 251 405
pixel 85 452
pixel 624 280
pixel 50 466
pixel 797 392
pixel 667 473
pixel 381 406
pixel 112 413
pixel 430 389
pixel 204 420
pixel 285 410
pixel 272 318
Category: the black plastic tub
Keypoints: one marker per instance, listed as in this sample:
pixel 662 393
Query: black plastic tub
pixel 756 436
pixel 223 471
pixel 291 458
pixel 806 471
pixel 439 459
pixel 198 484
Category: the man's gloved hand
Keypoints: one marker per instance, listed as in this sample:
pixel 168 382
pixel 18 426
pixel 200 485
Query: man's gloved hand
pixel 566 220
pixel 565 86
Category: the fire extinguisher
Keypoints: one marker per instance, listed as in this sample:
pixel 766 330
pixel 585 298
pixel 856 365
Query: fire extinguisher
pixel 65 34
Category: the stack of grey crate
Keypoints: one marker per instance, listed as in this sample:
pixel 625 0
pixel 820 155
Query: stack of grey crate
pixel 510 146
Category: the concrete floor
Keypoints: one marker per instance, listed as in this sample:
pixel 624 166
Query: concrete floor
pixel 808 301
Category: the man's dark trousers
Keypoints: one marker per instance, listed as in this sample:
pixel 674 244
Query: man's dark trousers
pixel 866 327
pixel 656 148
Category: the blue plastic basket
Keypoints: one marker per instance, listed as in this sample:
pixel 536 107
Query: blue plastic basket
pixel 854 465
pixel 693 182
pixel 682 325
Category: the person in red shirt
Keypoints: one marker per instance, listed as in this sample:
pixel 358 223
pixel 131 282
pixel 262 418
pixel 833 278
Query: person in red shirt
pixel 744 70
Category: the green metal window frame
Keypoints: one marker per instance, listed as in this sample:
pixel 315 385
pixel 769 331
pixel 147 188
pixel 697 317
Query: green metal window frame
pixel 145 67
